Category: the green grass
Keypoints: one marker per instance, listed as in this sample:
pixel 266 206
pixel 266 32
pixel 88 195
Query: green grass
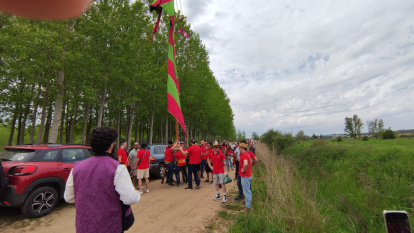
pixel 359 179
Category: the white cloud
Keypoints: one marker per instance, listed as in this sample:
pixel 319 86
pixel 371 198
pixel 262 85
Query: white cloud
pixel 307 65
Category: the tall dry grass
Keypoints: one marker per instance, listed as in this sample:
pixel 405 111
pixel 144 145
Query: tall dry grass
pixel 285 201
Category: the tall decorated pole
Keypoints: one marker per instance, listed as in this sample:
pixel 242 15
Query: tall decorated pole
pixel 173 88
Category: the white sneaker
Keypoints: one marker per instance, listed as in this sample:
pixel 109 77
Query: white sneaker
pixel 147 191
pixel 140 192
pixel 217 197
pixel 224 199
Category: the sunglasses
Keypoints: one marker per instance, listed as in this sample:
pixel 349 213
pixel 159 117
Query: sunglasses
pixel 216 147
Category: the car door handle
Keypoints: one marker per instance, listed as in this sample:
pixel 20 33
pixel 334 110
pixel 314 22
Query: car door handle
pixel 66 169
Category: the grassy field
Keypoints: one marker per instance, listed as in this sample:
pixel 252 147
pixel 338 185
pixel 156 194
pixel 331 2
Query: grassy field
pixel 326 186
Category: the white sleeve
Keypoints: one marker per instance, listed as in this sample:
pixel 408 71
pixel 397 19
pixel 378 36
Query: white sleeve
pixel 123 185
pixel 69 191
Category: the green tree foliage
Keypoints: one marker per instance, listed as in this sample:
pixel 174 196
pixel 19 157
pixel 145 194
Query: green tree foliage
pixel 353 126
pixel 102 69
pixel 376 127
pixel 255 136
pixel 277 139
pixel 388 134
pixel 300 136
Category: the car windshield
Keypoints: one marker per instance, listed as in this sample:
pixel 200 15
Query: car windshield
pixel 17 155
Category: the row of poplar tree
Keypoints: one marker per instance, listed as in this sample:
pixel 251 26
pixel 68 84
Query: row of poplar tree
pixel 60 79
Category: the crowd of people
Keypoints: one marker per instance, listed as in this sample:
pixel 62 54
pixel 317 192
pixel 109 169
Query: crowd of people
pixel 110 182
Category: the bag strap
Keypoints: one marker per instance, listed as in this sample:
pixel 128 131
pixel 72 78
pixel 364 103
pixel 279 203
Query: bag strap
pixel 142 157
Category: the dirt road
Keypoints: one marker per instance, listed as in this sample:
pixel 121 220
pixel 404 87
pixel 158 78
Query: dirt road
pixel 164 209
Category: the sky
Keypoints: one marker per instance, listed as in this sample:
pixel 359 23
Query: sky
pixel 306 65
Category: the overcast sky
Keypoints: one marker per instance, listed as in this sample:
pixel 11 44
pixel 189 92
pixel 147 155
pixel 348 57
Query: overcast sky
pixel 306 65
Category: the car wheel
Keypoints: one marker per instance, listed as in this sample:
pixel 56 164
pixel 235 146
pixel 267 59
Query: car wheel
pixel 40 202
pixel 160 172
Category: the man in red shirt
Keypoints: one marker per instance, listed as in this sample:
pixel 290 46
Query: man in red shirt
pixel 208 170
pixel 168 161
pixel 202 159
pixel 143 161
pixel 122 155
pixel 218 159
pixel 194 153
pixel 180 158
pixel 245 173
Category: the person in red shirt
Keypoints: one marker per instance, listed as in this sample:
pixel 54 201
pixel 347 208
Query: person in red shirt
pixel 180 158
pixel 229 154
pixel 202 159
pixel 194 153
pixel 122 155
pixel 245 173
pixel 168 162
pixel 208 170
pixel 218 159
pixel 143 161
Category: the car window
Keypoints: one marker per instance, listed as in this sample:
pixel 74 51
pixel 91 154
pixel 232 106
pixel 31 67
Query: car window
pixel 158 150
pixel 50 155
pixel 72 155
pixel 17 155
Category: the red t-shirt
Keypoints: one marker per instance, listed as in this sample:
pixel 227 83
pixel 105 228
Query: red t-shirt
pixel 217 160
pixel 248 172
pixel 209 153
pixel 252 156
pixel 123 154
pixel 229 151
pixel 194 154
pixel 168 155
pixel 144 164
pixel 203 153
pixel 180 157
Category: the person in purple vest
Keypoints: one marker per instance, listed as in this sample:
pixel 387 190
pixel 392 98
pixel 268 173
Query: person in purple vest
pixel 98 185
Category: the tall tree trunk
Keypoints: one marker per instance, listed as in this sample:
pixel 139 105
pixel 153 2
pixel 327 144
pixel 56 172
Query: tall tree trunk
pixel 58 106
pixel 118 122
pixel 103 97
pixel 166 129
pixel 136 131
pixel 88 128
pixel 19 127
pixel 43 117
pixel 128 119
pixel 73 122
pixel 152 115
pixel 131 121
pixel 36 104
pixel 48 122
pixel 62 122
pixel 67 124
pixel 140 132
pixel 85 122
pixel 23 128
pixel 13 124
pixel 161 126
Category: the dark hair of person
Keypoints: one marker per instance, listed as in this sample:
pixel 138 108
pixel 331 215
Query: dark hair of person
pixel 101 139
pixel 243 141
pixel 170 142
pixel 122 142
pixel 144 145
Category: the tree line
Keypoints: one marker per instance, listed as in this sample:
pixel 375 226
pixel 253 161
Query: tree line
pixel 60 79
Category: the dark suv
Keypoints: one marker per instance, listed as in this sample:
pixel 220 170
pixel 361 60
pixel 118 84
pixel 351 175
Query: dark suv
pixel 35 175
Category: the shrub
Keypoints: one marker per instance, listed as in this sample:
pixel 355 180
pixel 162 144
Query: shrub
pixel 339 139
pixel 277 139
pixel 365 138
pixel 388 134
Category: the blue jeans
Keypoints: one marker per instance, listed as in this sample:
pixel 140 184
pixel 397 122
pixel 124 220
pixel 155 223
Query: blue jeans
pixel 170 172
pixel 246 183
pixel 177 173
pixel 239 185
pixel 228 161
pixel 202 166
pixel 192 170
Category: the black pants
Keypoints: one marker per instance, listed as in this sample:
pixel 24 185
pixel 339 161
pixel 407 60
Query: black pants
pixel 192 170
pixel 177 173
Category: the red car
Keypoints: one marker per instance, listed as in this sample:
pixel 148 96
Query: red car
pixel 35 175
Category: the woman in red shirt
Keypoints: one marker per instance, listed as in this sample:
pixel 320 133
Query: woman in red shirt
pixel 180 158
